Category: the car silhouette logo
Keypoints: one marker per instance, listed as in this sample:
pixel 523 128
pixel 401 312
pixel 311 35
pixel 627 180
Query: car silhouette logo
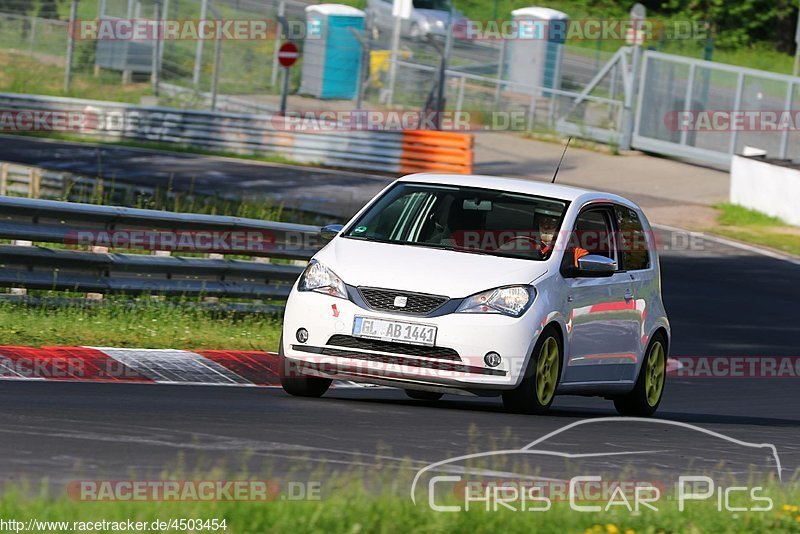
pixel 400 301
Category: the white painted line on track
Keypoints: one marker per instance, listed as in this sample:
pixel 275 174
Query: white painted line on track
pixel 733 243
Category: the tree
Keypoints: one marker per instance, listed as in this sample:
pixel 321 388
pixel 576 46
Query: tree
pixel 48 9
pixel 18 7
pixel 740 23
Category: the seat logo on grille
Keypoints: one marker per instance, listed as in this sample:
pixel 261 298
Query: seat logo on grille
pixel 400 301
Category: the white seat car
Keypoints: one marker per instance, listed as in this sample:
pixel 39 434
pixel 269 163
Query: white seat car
pixel 485 286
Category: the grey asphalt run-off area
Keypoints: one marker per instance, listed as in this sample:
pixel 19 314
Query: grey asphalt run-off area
pixel 722 301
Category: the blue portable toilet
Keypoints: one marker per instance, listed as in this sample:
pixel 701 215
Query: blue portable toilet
pixel 535 55
pixel 331 53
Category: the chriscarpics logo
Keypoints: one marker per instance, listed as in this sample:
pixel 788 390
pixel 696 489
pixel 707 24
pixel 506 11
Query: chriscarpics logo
pixel 609 463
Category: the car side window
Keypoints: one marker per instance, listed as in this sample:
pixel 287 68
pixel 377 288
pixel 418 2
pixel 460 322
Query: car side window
pixel 632 239
pixel 592 234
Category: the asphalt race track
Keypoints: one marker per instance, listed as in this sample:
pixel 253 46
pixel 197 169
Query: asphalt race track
pixel 338 193
pixel 722 301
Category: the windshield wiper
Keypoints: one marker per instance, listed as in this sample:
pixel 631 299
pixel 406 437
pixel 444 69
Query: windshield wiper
pixel 371 238
pixel 451 248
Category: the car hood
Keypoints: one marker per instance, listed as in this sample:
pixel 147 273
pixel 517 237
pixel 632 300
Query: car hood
pixel 424 270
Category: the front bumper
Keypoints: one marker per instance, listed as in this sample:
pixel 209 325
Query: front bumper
pixel 469 336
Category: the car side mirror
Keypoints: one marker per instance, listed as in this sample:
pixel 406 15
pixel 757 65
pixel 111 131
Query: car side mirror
pixel 330 231
pixel 594 265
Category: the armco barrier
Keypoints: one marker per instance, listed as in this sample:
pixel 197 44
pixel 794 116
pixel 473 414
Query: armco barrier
pixel 259 134
pixel 27 221
pixel 433 151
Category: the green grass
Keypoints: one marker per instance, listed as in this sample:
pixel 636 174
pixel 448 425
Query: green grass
pixel 734 215
pixel 743 224
pixel 348 507
pixel 147 325
pixel 20 73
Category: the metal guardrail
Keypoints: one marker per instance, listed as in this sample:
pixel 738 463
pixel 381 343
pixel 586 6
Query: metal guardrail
pixel 259 134
pixel 27 221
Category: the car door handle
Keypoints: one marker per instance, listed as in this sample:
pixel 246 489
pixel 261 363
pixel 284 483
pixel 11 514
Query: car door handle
pixel 628 294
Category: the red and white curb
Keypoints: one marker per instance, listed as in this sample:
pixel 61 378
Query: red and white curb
pixel 673 366
pixel 155 366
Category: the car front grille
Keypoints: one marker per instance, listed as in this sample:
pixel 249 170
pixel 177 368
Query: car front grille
pixel 416 304
pixel 351 342
pixel 455 367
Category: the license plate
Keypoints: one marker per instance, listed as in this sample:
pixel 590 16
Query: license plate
pixel 417 334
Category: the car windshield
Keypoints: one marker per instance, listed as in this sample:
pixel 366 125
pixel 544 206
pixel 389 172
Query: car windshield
pixel 438 5
pixel 463 219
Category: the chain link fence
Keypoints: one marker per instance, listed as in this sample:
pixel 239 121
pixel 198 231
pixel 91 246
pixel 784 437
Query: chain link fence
pixel 592 95
pixel 244 74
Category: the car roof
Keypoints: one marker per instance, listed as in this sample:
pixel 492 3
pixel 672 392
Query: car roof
pixel 518 185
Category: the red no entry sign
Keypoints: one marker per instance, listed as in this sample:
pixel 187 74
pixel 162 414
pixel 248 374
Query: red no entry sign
pixel 288 54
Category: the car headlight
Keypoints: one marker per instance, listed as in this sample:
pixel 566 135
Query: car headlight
pixel 511 300
pixel 319 278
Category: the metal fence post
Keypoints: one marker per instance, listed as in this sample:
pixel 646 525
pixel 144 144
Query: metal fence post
pixel 500 73
pixel 198 51
pixel 393 60
pixel 127 74
pixel 33 35
pixel 215 66
pixel 215 72
pixel 156 50
pixel 460 98
pixel 278 29
pixel 638 13
pixel 73 14
pixel 737 104
pixel 785 133
pixel 687 100
pixel 532 111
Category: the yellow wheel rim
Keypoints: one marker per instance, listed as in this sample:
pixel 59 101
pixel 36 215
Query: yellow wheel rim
pixel 654 374
pixel 547 371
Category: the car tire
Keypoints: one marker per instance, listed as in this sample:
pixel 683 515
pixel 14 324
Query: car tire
pixel 417 394
pixel 536 392
pixel 300 386
pixel 646 395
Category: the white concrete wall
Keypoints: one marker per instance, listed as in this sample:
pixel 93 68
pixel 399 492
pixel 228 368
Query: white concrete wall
pixel 767 188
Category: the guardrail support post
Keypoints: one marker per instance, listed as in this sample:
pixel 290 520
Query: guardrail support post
pixel 3 178
pixel 98 250
pixel 20 290
pixel 35 182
